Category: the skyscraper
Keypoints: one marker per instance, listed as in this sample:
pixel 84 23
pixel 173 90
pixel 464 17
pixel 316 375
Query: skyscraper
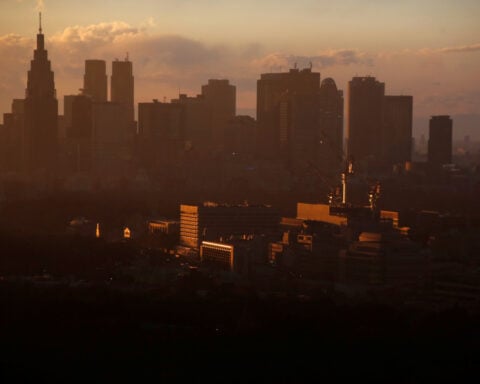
pixel 331 125
pixel 41 112
pixel 440 140
pixel 397 138
pixel 272 89
pixel 220 96
pixel 95 80
pixel 122 86
pixel 365 121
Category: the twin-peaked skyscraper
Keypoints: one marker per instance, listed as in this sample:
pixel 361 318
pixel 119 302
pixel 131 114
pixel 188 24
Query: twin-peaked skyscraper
pixel 379 127
pixel 98 131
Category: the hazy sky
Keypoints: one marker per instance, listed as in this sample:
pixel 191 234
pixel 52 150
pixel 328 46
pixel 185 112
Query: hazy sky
pixel 427 48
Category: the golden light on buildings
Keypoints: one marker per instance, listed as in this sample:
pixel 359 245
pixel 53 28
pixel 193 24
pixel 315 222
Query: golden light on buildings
pixel 126 233
pixel 97 231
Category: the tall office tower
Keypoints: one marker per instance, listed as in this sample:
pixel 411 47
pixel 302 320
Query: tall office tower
pixel 122 86
pixel 440 140
pixel 220 96
pixel 197 129
pixel 41 112
pixel 95 80
pixel 272 89
pixel 80 132
pixel 110 139
pixel 365 122
pixel 160 129
pixel 331 126
pixel 397 137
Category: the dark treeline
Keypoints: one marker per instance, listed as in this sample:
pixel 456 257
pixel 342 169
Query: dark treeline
pixel 78 334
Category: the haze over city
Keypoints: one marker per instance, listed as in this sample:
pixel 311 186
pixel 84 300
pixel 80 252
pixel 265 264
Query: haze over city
pixel 430 50
pixel 239 191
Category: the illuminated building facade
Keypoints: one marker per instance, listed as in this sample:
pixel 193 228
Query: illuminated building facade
pixel 211 221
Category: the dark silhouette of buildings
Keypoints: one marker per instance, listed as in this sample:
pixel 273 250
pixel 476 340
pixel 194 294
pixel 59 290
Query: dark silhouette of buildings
pixel 239 136
pixel 80 133
pixel 122 86
pixel 95 80
pixel 272 106
pixel 220 96
pixel 397 139
pixel 331 126
pixel 197 126
pixel 111 138
pixel 379 127
pixel 160 132
pixel 365 121
pixel 41 113
pixel 440 140
pixel 11 156
pixel 300 122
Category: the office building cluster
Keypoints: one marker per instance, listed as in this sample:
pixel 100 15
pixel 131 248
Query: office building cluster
pixel 299 127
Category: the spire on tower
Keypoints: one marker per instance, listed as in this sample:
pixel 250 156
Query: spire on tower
pixel 40 22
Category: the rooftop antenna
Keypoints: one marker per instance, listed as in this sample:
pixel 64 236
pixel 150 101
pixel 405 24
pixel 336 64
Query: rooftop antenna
pixel 295 65
pixel 126 57
pixel 311 65
pixel 40 22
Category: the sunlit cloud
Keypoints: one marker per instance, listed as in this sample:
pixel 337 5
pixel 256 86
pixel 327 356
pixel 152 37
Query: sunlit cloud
pixel 40 5
pixel 281 61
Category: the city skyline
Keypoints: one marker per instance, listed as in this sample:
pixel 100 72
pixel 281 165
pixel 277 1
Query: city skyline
pixel 438 69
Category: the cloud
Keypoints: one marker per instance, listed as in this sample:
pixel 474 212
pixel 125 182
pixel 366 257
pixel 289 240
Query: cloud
pixel 461 49
pixel 281 61
pixel 96 34
pixel 40 5
pixel 165 64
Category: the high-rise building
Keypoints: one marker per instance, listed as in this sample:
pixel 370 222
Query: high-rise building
pixel 197 117
pixel 397 137
pixel 76 143
pixel 331 126
pixel 220 96
pixel 110 139
pixel 12 137
pixel 122 86
pixel 440 140
pixel 95 80
pixel 300 123
pixel 272 106
pixel 160 130
pixel 366 97
pixel 41 113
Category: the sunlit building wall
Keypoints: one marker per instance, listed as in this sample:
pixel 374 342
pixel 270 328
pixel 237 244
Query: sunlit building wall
pixel 211 221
